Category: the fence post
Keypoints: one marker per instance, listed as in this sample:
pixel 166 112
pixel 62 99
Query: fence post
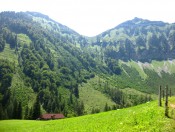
pixel 160 92
pixel 166 101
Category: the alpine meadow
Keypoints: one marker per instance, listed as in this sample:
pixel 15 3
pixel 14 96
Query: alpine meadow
pixel 94 82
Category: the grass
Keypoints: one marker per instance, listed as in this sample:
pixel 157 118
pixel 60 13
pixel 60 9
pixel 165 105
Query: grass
pixel 146 117
pixel 158 66
pixel 9 54
pixel 137 66
pixel 168 66
pixel 93 98
pixel 23 39
pixel 21 92
pixel 131 91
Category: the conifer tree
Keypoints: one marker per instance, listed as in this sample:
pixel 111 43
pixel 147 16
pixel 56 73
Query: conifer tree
pixel 30 113
pixel 15 110
pixel 36 109
pixel 76 91
pixel 26 115
pixel 19 111
pixel 1 112
pixel 106 107
pixel 71 99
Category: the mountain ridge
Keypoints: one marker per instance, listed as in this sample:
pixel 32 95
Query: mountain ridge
pixel 150 40
pixel 141 22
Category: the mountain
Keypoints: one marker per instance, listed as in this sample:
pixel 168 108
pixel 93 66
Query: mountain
pixel 144 50
pixel 40 57
pixel 139 40
pixel 49 67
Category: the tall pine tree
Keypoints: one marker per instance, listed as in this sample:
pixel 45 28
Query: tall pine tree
pixel 36 109
pixel 76 91
pixel 19 112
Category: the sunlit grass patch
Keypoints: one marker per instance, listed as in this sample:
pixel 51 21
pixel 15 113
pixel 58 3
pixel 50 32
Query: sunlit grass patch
pixel 145 117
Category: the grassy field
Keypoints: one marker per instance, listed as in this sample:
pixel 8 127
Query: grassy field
pixel 146 117
pixel 24 39
pixel 137 66
pixel 9 54
pixel 93 98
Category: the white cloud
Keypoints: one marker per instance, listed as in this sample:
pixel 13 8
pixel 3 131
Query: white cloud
pixel 91 17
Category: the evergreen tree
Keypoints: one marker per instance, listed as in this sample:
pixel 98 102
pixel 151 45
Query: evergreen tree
pixel 82 107
pixel 36 109
pixel 5 116
pixel 79 108
pixel 2 43
pixel 65 111
pixel 19 111
pixel 106 107
pixel 15 110
pixel 26 115
pixel 30 113
pixel 76 91
pixel 92 111
pixel 114 107
pixel 1 112
pixel 70 99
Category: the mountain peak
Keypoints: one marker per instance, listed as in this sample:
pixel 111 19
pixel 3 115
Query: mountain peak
pixel 136 19
pixel 141 22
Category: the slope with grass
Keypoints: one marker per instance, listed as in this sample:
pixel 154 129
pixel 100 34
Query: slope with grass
pixel 145 117
pixel 9 54
pixel 167 66
pixel 93 98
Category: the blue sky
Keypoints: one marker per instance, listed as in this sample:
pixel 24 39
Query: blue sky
pixel 91 17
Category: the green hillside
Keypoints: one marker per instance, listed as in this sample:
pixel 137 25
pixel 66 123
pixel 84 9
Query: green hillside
pixel 94 99
pixel 45 62
pixel 139 40
pixel 40 58
pixel 145 117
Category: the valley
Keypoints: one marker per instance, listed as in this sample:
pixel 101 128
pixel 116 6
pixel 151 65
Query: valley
pixel 44 62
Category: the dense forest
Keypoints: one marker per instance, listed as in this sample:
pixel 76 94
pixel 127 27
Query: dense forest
pixel 43 63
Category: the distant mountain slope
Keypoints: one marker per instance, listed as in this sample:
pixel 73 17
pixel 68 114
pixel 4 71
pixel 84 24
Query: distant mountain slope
pixel 139 40
pixel 144 50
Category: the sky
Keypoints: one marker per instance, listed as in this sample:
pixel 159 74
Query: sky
pixel 92 17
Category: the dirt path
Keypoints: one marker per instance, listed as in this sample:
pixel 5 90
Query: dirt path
pixel 172 106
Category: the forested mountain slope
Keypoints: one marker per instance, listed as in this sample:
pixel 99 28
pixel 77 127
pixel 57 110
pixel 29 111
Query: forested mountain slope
pixel 44 63
pixel 139 40
pixel 43 57
pixel 144 50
